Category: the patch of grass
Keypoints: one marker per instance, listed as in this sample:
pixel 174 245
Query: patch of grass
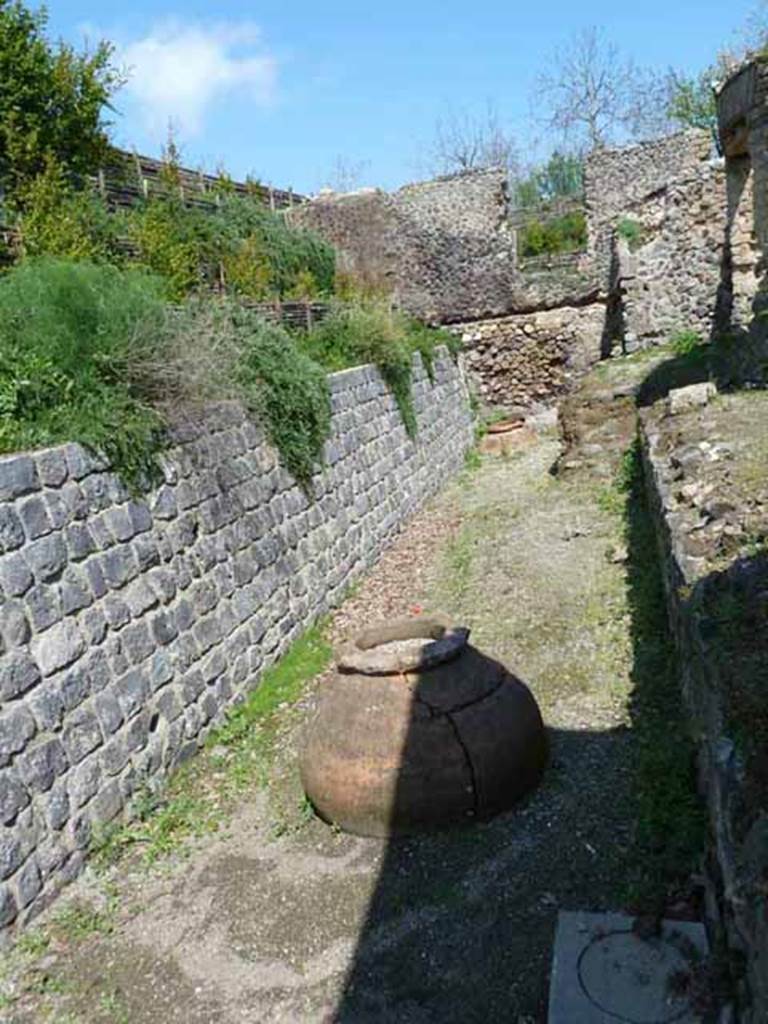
pixel 671 829
pixel 76 921
pixel 684 342
pixel 197 797
pixel 458 557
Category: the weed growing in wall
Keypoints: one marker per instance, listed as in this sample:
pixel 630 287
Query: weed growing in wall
pixel 685 342
pixel 631 231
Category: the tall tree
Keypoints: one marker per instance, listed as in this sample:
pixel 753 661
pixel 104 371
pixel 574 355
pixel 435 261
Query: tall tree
pixel 52 100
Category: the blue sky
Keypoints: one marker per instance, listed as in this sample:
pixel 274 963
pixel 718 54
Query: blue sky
pixel 286 90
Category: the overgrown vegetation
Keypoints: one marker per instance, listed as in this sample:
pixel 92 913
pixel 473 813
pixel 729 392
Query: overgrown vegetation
pixel 373 333
pixel 238 755
pixel 561 234
pixel 670 819
pixel 71 336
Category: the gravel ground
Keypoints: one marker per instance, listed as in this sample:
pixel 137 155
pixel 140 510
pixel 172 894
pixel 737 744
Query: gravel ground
pixel 309 925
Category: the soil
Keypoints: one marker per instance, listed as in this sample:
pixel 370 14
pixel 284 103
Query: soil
pixel 304 924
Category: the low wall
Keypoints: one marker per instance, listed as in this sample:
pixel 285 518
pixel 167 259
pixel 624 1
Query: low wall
pixel 530 360
pixel 128 625
pixel 705 526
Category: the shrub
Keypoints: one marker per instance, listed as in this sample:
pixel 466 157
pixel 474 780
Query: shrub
pixel 567 233
pixel 371 333
pixel 58 220
pixel 70 335
pixel 685 342
pixel 286 389
pixel 631 231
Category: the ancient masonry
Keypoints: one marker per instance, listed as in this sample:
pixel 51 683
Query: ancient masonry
pixel 655 264
pixel 128 625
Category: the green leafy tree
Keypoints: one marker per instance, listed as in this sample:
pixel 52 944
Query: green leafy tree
pixel 561 177
pixel 692 102
pixel 52 100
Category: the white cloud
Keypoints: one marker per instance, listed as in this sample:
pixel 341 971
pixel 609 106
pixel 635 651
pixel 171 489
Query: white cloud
pixel 179 70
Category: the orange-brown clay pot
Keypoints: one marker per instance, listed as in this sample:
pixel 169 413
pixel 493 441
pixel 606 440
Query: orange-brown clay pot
pixel 417 730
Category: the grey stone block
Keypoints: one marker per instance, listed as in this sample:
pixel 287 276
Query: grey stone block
pixel 29 884
pixel 108 710
pixel 8 907
pixel 114 756
pixel 164 504
pixel 107 803
pixel 138 732
pixel 141 517
pixel 132 692
pixel 34 515
pixel 13 796
pixel 11 530
pixel 57 807
pixel 11 855
pixel 96 578
pixel 139 597
pixel 40 765
pixel 119 523
pixel 43 606
pixel 137 643
pixel 82 735
pixel 168 705
pixel 51 467
pixel 116 611
pixel 164 628
pixel 15 575
pixel 18 673
pixel 47 706
pixel 94 625
pixel 58 511
pixel 18 476
pixel 79 541
pixel 14 626
pixel 160 670
pixel 46 557
pixel 58 647
pixel 84 782
pixel 118 566
pixel 74 590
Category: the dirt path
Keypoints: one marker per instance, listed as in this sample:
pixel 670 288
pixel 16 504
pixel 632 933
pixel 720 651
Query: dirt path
pixel 314 926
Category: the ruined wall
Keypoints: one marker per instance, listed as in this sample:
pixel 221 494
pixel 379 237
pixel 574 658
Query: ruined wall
pixel 705 470
pixel 128 624
pixel 668 279
pixel 441 246
pixel 530 360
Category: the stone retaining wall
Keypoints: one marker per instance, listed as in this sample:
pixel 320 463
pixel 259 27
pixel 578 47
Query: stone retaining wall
pixel 705 527
pixel 129 624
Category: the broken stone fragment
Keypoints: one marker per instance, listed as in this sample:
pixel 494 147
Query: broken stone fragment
pixel 691 397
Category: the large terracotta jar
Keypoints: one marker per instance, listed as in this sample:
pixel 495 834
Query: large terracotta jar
pixel 418 730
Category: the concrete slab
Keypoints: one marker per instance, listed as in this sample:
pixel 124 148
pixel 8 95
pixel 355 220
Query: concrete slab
pixel 603 973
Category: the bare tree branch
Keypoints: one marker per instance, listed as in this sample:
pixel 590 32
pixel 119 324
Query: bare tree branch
pixel 465 142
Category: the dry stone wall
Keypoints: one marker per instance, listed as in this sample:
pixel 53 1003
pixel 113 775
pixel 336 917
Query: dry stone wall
pixel 129 624
pixel 530 360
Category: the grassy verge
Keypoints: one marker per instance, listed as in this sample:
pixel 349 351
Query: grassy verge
pixel 238 755
pixel 670 822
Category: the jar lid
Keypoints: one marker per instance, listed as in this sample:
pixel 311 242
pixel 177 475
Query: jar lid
pixel 404 645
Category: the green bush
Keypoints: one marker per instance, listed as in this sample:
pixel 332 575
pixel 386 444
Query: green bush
pixel 567 233
pixel 286 389
pixel 685 342
pixel 71 335
pixel 58 220
pixel 371 333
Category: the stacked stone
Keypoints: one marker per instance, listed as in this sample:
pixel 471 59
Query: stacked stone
pixel 129 623
pixel 528 361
